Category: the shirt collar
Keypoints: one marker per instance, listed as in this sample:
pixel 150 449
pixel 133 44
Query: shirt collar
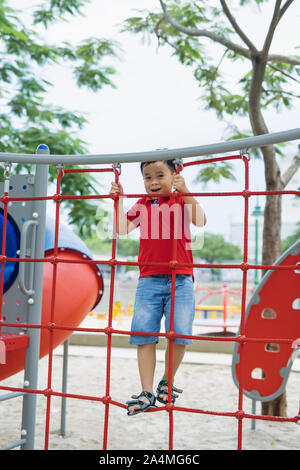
pixel 150 200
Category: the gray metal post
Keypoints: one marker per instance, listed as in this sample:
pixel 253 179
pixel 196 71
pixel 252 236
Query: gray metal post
pixel 35 306
pixel 253 420
pixel 64 389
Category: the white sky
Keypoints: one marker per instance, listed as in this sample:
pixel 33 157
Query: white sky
pixel 156 101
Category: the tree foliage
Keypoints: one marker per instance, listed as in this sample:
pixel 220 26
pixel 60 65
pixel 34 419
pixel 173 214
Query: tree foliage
pixel 189 28
pixel 215 249
pixel 291 239
pixel 27 119
pixel 125 246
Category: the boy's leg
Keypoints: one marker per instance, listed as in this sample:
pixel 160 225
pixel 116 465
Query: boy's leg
pixel 184 312
pixel 178 354
pixel 148 311
pixel 146 361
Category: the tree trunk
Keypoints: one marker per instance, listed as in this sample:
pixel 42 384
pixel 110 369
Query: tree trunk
pixel 272 216
pixel 271 252
pixel 275 407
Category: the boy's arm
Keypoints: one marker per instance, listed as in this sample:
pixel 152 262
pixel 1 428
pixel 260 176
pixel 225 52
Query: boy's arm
pixel 124 226
pixel 197 214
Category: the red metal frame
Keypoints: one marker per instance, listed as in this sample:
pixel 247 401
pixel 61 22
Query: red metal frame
pixel 224 291
pixel 240 415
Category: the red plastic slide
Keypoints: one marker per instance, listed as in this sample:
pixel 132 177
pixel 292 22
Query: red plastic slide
pixel 77 291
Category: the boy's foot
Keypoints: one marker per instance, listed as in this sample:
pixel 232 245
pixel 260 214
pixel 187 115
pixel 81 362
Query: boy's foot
pixel 163 395
pixel 162 392
pixel 141 403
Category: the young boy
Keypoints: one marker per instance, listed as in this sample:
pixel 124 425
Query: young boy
pixel 155 215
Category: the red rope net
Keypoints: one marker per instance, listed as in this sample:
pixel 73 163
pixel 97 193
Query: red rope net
pixel 107 400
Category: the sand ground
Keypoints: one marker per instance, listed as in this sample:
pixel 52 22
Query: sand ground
pixel 207 383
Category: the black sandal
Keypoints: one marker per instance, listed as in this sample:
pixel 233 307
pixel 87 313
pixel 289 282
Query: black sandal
pixel 143 406
pixel 160 391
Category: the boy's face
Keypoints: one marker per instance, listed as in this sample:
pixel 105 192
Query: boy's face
pixel 158 178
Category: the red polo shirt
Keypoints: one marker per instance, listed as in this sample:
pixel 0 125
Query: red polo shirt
pixel 156 222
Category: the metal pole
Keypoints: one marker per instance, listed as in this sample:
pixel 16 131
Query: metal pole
pixel 13 444
pixel 197 151
pixel 256 213
pixel 253 420
pixel 64 389
pixel 35 306
pixel 256 252
pixel 8 396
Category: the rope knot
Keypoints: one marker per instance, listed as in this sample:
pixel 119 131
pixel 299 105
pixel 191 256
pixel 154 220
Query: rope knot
pixel 244 266
pixel 57 197
pixel 109 330
pixel 240 414
pixel 106 400
pixel 51 326
pixel 170 407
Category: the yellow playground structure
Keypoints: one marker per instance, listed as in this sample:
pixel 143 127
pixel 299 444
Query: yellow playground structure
pixel 209 315
pixel 118 312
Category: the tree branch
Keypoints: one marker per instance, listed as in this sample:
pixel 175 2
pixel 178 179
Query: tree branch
pixel 205 33
pixel 280 92
pixel 236 27
pixel 277 15
pixel 284 8
pixel 292 169
pixel 284 73
pixel 272 27
pixel 157 26
pixel 283 58
pixel 248 53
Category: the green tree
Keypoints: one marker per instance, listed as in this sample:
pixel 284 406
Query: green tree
pixel 26 117
pixel 291 239
pixel 125 246
pixel 269 83
pixel 215 249
pixel 128 246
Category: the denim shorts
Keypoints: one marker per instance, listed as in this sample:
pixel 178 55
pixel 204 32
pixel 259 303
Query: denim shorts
pixel 153 301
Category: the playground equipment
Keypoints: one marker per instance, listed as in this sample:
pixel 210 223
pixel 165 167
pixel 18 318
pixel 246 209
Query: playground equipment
pixel 80 287
pixel 118 312
pixel 230 313
pixel 30 389
pixel 263 363
pixel 27 287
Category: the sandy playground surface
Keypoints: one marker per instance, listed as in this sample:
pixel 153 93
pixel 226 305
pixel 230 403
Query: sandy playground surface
pixel 207 383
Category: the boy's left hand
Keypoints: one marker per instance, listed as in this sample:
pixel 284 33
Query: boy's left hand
pixel 179 184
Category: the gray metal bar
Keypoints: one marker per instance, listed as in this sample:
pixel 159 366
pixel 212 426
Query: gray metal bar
pixel 64 389
pixel 197 151
pixel 13 444
pixel 253 420
pixel 35 305
pixel 8 396
pixel 22 266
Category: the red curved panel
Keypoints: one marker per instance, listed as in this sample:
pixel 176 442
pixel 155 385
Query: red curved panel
pixel 275 316
pixel 77 288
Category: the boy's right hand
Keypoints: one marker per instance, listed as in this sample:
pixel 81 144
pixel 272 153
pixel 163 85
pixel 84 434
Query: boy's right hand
pixel 116 188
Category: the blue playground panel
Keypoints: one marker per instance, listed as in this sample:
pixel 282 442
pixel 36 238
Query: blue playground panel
pixel 12 245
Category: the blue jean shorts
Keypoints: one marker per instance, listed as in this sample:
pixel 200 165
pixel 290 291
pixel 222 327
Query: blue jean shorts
pixel 153 301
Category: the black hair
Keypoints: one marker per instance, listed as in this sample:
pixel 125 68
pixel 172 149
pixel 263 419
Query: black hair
pixel 169 163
